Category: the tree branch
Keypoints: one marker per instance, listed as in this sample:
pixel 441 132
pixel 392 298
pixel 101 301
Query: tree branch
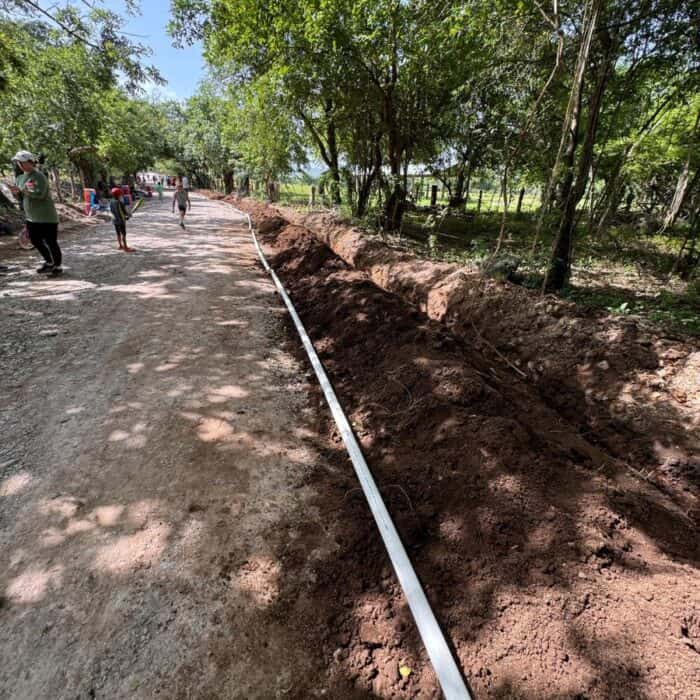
pixel 63 26
pixel 547 18
pixel 316 136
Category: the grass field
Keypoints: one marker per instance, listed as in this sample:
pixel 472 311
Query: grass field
pixel 299 194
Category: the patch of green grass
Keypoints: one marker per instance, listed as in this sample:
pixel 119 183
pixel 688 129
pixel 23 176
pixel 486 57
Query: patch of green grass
pixel 622 247
pixel 676 313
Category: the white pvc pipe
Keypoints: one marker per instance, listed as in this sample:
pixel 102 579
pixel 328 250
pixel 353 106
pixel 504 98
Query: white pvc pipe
pixel 446 669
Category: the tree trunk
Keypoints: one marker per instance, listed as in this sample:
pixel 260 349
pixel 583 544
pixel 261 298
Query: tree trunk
pixel 333 156
pixel 467 184
pixel 57 184
pixel 560 263
pixel 519 207
pixel 406 163
pixel 571 189
pixel 394 206
pixel 684 185
pixel 504 215
pixel 366 183
pixel 228 181
pixel 363 195
pixel 396 198
pixel 591 200
pixel 572 109
pixel 457 195
pixel 84 172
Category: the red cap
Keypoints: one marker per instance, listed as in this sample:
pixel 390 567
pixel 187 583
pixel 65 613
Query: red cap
pixel 116 192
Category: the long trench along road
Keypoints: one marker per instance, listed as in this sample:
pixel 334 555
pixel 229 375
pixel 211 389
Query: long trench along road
pixel 154 445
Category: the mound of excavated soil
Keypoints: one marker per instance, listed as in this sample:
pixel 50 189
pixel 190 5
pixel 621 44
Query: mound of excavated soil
pixel 555 571
pixel 211 194
pixel 636 392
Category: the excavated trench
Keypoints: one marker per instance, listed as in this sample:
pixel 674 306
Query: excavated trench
pixel 555 570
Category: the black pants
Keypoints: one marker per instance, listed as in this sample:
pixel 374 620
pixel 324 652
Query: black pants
pixel 44 238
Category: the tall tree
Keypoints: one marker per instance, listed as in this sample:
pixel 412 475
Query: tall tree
pixel 613 35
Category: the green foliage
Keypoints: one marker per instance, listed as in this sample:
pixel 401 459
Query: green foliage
pixel 671 311
pixel 266 136
pixel 632 271
pixel 60 72
pixel 10 54
pixel 52 104
pixel 195 135
pixel 133 132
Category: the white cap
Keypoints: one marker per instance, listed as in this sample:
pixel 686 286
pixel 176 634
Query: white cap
pixel 24 156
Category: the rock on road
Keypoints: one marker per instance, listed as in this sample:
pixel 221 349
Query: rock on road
pixel 153 436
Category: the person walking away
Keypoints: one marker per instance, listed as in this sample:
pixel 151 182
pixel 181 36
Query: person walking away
pixel 182 198
pixel 159 189
pixel 39 211
pixel 119 217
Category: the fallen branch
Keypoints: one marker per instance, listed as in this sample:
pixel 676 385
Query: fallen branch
pixel 501 355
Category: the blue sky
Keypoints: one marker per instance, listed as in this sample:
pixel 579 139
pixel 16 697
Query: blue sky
pixel 182 68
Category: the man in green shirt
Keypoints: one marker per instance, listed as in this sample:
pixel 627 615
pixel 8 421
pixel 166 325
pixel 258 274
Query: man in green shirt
pixel 40 212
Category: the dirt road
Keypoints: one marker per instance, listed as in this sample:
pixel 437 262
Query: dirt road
pixel 153 452
pixel 178 518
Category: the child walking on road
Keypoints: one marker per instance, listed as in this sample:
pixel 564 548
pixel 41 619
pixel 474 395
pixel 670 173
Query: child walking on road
pixel 182 198
pixel 119 217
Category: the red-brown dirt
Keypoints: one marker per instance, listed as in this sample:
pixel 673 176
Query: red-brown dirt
pixel 636 391
pixel 555 570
